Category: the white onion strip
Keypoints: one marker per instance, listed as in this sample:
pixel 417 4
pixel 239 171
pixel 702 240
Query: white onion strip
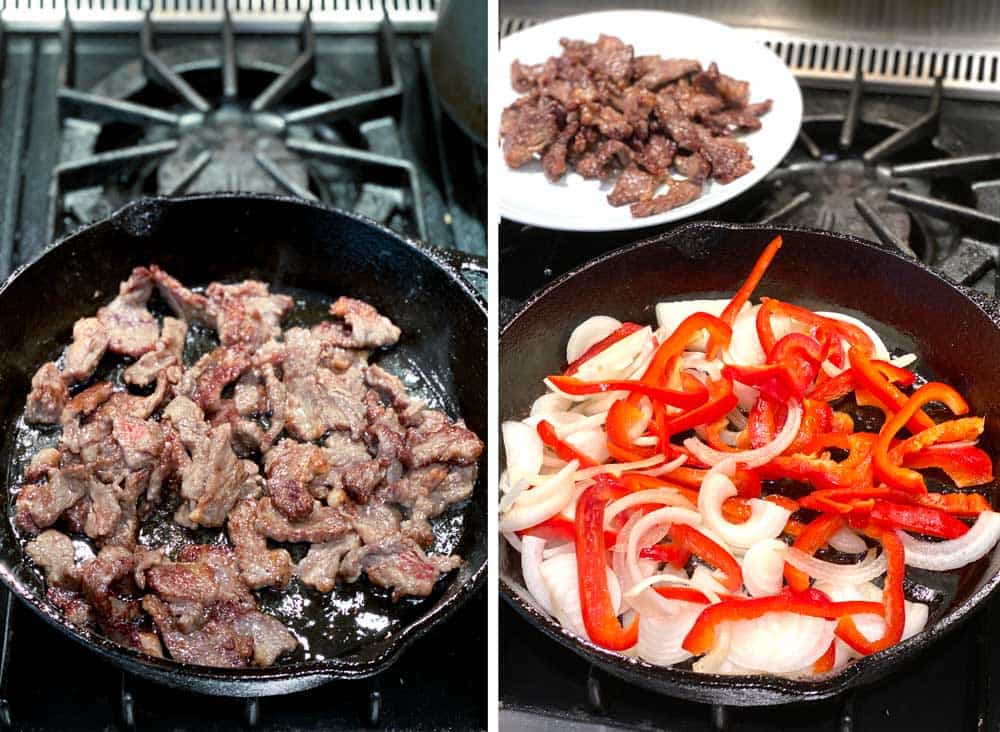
pixel 666 496
pixel 752 458
pixel 767 520
pixel 954 553
pixel 543 502
pixel 867 569
pixel 848 542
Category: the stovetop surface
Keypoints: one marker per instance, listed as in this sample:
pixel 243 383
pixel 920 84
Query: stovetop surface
pixel 51 682
pixel 546 687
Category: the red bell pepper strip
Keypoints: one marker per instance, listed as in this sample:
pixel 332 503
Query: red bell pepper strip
pixel 893 601
pixel 719 334
pixel 681 399
pixel 920 519
pixel 846 500
pixel 960 504
pixel 842 422
pixel 630 455
pixel 867 376
pixel 563 449
pixel 966 429
pixel 894 475
pixel 816 534
pixel 825 662
pixel 599 617
pixel 623 331
pixel 673 553
pixel 624 419
pixel 817 419
pixel 762 422
pixel 834 388
pixel 721 401
pixel 790 370
pixel 708 551
pixel 687 594
pixel 558 528
pixel 750 283
pixel 765 333
pixel 820 472
pixel 812 603
pixel 966 465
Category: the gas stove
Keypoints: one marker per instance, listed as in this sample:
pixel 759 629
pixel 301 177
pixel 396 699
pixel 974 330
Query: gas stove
pixel 900 163
pixel 100 107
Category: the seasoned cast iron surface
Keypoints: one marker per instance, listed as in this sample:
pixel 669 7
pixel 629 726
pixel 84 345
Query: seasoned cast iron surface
pixel 313 254
pixel 955 340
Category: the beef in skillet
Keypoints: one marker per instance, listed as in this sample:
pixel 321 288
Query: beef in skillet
pixel 277 437
pixel 600 110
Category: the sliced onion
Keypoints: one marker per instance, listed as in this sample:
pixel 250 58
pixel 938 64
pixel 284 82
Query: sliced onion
pixel 590 332
pixel 904 361
pixel 599 403
pixel 752 458
pixel 617 469
pixel 870 625
pixel 666 468
pixel 712 661
pixel 524 450
pixel 661 636
pixel 513 539
pixel 744 346
pixel 671 314
pixel 767 520
pixel 543 502
pixel 737 419
pixel 677 580
pixel 593 443
pixel 532 549
pixel 746 396
pixel 697 361
pixel 562 582
pixel 779 642
pixel 550 404
pixel 665 496
pixel 764 567
pixel 848 542
pixel 867 569
pixel 567 547
pixel 616 360
pixel 510 494
pixel 704 579
pixel 954 553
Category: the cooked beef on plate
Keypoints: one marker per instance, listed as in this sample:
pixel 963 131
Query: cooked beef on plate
pixel 278 437
pixel 603 112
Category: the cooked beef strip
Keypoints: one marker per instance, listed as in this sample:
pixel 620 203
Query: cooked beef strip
pixel 74 608
pixel 53 551
pixel 438 439
pixel 325 523
pixel 373 523
pixel 249 396
pixel 100 574
pixel 736 93
pixel 633 185
pixel 187 305
pixel 391 388
pixel 165 357
pixel 87 401
pixel 429 490
pixel 694 167
pixel 655 72
pixel 320 566
pixel 132 329
pixel 48 396
pixel 678 193
pixel 419 530
pixel 41 462
pixel 214 480
pixel 189 421
pixel 398 564
pixel 729 158
pixel 291 467
pixel 203 383
pixel 366 327
pixel 531 128
pixel 38 505
pixel 90 341
pixel 259 566
pixel 656 154
pixel 246 313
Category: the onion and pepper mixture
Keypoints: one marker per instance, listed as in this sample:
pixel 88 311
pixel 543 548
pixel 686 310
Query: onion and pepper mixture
pixel 670 492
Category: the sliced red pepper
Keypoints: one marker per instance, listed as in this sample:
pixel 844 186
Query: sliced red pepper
pixel 811 602
pixel 894 475
pixel 713 436
pixel 560 529
pixel 563 449
pixel 851 333
pixel 825 662
pixel 624 419
pixel 834 388
pixel 687 594
pixel 719 333
pixel 750 283
pixel 747 482
pixel 868 376
pixel 816 534
pixel 681 399
pixel 790 370
pixel 920 519
pixel 623 331
pixel 965 465
pixel 893 602
pixel 708 551
pixel 846 500
pixel 817 419
pixel 762 422
pixel 960 504
pixel 630 455
pixel 599 617
pixel 822 472
pixel 966 429
pixel 673 553
pixel 721 401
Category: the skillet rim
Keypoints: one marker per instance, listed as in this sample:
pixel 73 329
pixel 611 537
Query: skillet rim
pixel 277 679
pixel 747 690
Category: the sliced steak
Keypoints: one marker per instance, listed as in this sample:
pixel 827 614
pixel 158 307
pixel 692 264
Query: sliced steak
pixel 366 328
pixel 655 72
pixel 214 480
pixel 187 305
pixel 48 396
pixel 729 158
pixel 373 523
pixel 291 469
pixel 75 609
pixel 656 155
pixel 694 167
pixel 399 565
pixel 633 185
pixel 678 193
pixel 203 383
pixel 391 388
pixel 189 421
pixel 438 439
pixel 132 329
pixel 246 313
pixel 38 505
pixel 325 523
pixel 429 490
pixel 87 401
pixel 53 552
pixel 259 566
pixel 90 341
pixel 321 565
pixel 165 358
pixel 529 129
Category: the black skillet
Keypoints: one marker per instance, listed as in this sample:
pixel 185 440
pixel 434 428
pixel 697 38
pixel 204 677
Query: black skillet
pixel 955 331
pixel 311 252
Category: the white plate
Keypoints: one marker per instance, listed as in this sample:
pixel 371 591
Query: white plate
pixel 576 204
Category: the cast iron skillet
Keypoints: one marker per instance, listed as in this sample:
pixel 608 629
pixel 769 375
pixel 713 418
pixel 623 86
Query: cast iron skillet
pixel 954 331
pixel 295 246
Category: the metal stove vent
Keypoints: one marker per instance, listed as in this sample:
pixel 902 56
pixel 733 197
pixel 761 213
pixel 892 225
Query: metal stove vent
pixel 195 15
pixel 894 67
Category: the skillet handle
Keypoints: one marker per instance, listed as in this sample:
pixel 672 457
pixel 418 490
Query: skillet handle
pixel 471 267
